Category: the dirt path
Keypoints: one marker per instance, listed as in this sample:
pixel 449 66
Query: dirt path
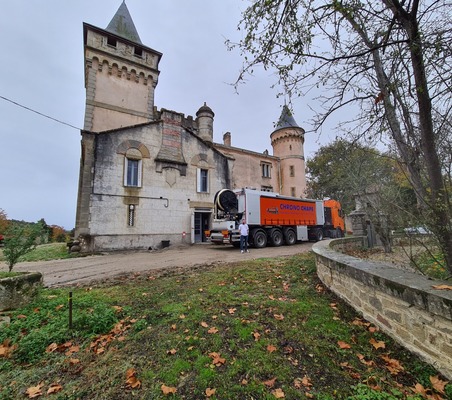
pixel 96 268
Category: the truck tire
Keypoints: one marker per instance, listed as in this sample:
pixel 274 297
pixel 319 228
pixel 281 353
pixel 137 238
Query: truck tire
pixel 290 237
pixel 276 237
pixel 339 233
pixel 318 235
pixel 259 239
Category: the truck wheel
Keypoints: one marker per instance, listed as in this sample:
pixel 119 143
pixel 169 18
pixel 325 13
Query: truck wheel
pixel 259 239
pixel 339 233
pixel 290 237
pixel 318 235
pixel 276 237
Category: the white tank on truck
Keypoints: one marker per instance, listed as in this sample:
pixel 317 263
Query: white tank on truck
pixel 273 219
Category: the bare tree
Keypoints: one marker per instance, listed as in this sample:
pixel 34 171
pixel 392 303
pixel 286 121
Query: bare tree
pixel 388 59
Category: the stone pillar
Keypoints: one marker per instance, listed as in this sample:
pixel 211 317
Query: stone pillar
pixel 227 139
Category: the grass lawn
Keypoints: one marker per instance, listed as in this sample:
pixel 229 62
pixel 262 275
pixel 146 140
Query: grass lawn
pixel 43 252
pixel 260 329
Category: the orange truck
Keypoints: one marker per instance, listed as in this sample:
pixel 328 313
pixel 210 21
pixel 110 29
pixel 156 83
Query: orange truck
pixel 273 219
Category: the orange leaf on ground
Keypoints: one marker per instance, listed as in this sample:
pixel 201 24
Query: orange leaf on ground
pixel 232 310
pixel 343 345
pixel 6 349
pixel 278 317
pixel 54 388
pixel 217 360
pixel 210 392
pixel 438 384
pixel 278 393
pixel 271 348
pixel 256 336
pixel 212 330
pixel 34 391
pixel 168 390
pixel 378 345
pixel 270 383
pixel 171 352
pixel 392 365
pixel 131 379
pixel 204 324
pixel 51 348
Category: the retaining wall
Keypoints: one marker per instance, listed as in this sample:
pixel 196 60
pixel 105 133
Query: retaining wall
pixel 401 303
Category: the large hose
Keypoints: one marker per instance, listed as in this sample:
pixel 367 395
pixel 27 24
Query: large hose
pixel 226 200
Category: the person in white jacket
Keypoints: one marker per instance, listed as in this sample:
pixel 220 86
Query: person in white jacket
pixel 244 231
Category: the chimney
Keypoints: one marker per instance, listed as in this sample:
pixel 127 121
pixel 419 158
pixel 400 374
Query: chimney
pixel 227 139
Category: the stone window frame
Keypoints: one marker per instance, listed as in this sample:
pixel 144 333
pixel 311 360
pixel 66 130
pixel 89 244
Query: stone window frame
pixel 266 169
pixel 134 151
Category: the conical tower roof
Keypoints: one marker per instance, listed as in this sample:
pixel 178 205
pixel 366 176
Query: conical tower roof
pixel 122 24
pixel 286 120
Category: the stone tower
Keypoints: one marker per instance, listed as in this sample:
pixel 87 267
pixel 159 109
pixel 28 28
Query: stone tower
pixel 120 75
pixel 288 140
pixel 204 118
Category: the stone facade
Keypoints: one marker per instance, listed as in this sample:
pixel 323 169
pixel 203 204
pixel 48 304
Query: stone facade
pixel 402 303
pixel 149 175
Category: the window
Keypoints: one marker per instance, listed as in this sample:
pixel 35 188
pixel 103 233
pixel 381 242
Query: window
pixel 111 41
pixel 292 192
pixel 292 170
pixel 203 180
pixel 266 169
pixel 132 172
pixel 138 52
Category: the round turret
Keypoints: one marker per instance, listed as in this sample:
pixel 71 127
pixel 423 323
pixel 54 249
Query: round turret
pixel 204 118
pixel 288 145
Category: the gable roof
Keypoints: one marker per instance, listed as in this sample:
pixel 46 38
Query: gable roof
pixel 122 24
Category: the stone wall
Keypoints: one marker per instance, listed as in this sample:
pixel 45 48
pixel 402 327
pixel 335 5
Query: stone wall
pixel 401 303
pixel 19 290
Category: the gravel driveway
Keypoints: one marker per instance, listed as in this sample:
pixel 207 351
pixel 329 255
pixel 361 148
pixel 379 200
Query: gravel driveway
pixel 85 270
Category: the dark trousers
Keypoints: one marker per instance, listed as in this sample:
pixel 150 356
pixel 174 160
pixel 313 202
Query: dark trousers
pixel 243 243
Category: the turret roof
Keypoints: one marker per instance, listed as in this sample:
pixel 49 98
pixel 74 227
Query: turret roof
pixel 122 24
pixel 286 120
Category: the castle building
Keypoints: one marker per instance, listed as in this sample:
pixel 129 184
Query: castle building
pixel 150 175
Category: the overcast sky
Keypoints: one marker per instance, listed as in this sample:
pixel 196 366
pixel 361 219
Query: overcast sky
pixel 42 68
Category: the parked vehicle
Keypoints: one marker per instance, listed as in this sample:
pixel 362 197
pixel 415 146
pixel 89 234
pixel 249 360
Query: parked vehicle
pixel 417 230
pixel 273 219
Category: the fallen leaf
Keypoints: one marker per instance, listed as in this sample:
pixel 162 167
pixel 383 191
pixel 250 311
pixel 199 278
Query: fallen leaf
pixel 270 383
pixel 309 395
pixel 212 330
pixel 256 336
pixel 72 350
pixel 392 365
pixel 204 324
pixel 232 310
pixel 418 388
pixel 54 388
pixel 182 316
pixel 173 327
pixel 131 379
pixel 168 390
pixel 278 317
pixel 34 391
pixel 74 361
pixel 6 349
pixel 343 345
pixel 364 361
pixel 278 393
pixel 217 360
pixel 378 345
pixel 51 348
pixel 21 316
pixel 210 392
pixel 57 308
pixel 442 287
pixel 438 384
pixel 171 352
pixel 117 308
pixel 271 348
